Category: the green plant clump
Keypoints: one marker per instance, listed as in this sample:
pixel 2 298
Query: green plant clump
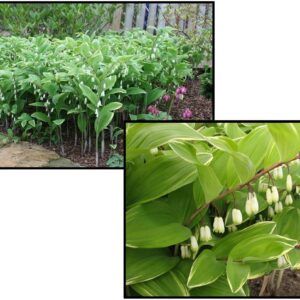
pixel 210 206
pixel 51 88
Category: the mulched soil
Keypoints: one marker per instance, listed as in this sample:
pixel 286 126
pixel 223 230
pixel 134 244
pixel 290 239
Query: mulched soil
pixel 88 159
pixel 290 285
pixel 201 107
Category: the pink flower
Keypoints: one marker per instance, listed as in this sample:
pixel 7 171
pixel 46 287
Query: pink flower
pixel 153 110
pixel 187 113
pixel 166 98
pixel 183 90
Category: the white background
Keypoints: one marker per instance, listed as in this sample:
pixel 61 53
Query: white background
pixel 257 59
pixel 61 234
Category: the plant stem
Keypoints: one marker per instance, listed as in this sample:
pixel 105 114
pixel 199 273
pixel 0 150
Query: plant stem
pixel 97 151
pixel 264 285
pixel 239 187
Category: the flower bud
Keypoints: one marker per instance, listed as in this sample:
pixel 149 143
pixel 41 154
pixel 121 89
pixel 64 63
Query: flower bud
pixel 275 194
pixel 281 262
pixel 289 183
pixel 280 172
pixel 194 244
pixel 183 253
pixel 271 212
pixel 154 151
pixel 275 174
pixel 218 225
pixel 289 199
pixel 263 187
pixel 298 190
pixel 278 207
pixel 237 217
pixel 188 252
pixel 269 196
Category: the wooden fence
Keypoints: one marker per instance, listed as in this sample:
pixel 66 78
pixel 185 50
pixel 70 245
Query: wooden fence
pixel 149 15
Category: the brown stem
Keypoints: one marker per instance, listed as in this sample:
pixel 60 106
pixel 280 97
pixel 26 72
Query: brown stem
pixel 239 187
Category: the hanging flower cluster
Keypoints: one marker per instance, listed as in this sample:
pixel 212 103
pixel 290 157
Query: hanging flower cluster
pixel 187 114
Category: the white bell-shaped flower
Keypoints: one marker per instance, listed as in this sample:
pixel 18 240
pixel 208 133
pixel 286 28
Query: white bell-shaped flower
pixel 262 187
pixel 280 172
pixel 275 173
pixel 194 244
pixel 237 217
pixel 188 252
pixel 281 262
pixel 289 183
pixel 278 207
pixel 252 206
pixel 298 190
pixel 269 196
pixel 275 194
pixel 205 234
pixel 218 225
pixel 154 151
pixel 271 212
pixel 289 199
pixel 183 252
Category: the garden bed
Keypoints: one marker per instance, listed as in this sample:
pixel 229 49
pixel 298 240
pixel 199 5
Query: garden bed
pixel 290 286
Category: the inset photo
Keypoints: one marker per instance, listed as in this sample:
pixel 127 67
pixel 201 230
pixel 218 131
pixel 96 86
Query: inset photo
pixel 72 73
pixel 212 209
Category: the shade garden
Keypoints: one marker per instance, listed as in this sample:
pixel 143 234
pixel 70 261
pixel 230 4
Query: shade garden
pixel 212 209
pixel 83 88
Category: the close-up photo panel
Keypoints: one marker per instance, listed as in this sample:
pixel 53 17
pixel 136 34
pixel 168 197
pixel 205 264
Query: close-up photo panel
pixel 212 209
pixel 71 74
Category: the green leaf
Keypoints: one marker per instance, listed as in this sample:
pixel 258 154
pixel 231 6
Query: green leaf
pixel 233 130
pixel 164 174
pixel 154 95
pixel 38 104
pixel 209 182
pixel 294 258
pixel 112 106
pixel 213 270
pixel 147 264
pixel 87 92
pixel 81 122
pixel 237 275
pixel 288 223
pixel 58 122
pixel 116 91
pixel 263 247
pixel 254 145
pixel 171 284
pixel 186 151
pixel 135 91
pixel 286 138
pixel 224 246
pixel 149 135
pixel 41 117
pixel 154 225
pixel 104 119
pixel 219 288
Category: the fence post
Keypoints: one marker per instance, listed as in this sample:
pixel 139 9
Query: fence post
pixel 129 16
pixel 140 19
pixel 117 18
pixel 151 16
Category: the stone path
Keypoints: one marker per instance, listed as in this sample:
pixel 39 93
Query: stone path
pixel 24 154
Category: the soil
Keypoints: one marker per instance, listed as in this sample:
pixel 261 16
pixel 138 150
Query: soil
pixel 87 160
pixel 201 107
pixel 290 285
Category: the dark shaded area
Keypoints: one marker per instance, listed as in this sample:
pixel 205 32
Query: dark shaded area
pixel 290 285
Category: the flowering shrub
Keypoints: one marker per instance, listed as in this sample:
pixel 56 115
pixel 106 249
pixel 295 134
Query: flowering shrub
pixel 210 206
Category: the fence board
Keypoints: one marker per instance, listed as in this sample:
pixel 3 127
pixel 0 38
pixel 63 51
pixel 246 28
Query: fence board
pixel 116 25
pixel 161 20
pixel 129 16
pixel 140 19
pixel 151 16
